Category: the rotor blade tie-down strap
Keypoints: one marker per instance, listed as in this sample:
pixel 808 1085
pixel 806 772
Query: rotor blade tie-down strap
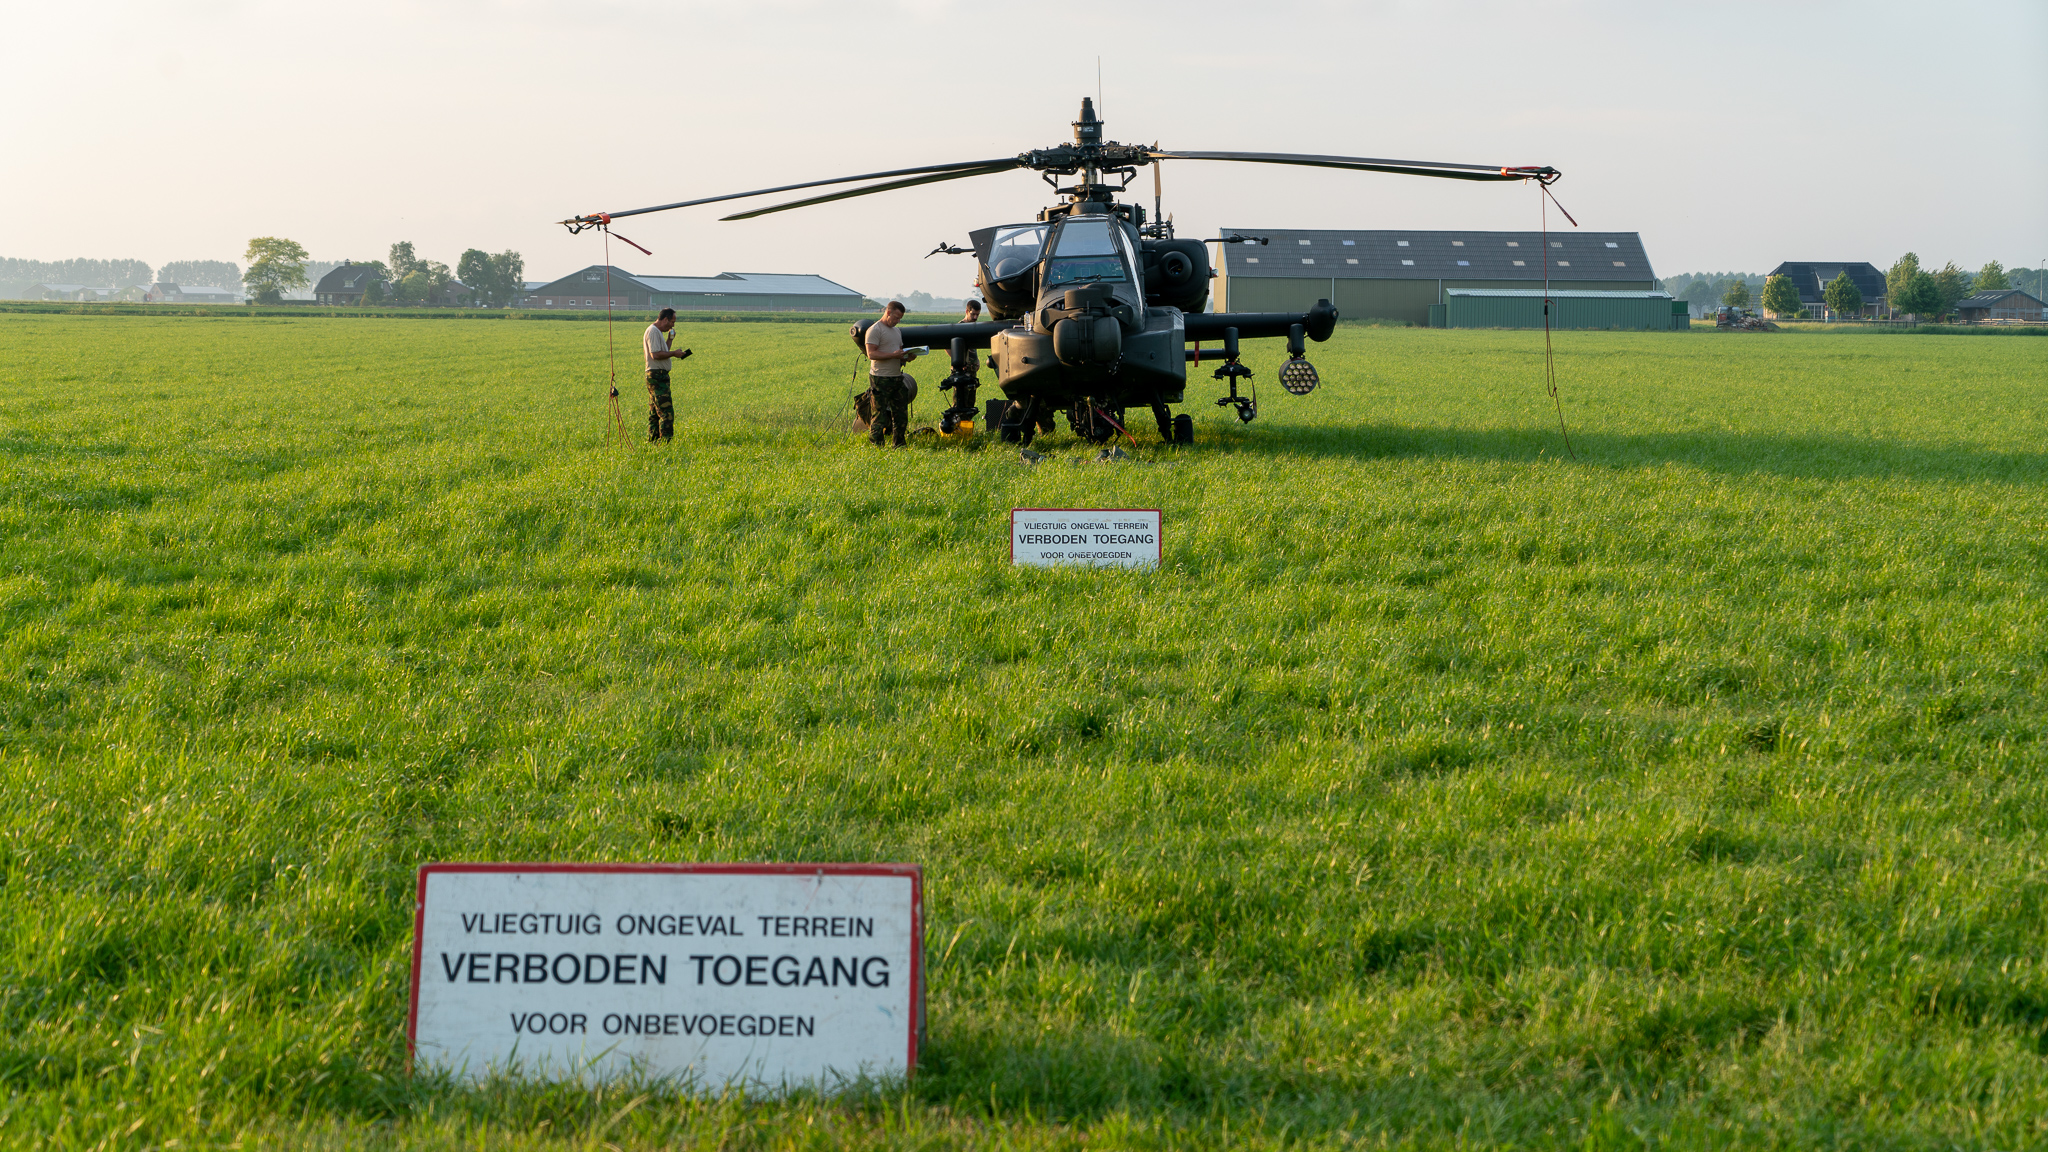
pixel 1117 426
pixel 1549 362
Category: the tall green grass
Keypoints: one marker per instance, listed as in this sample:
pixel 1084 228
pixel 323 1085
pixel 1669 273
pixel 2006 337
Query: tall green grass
pixel 1445 788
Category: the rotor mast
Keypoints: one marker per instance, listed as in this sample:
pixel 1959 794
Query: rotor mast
pixel 1088 139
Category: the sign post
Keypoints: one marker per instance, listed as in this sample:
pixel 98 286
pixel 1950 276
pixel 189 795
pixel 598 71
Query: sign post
pixel 763 975
pixel 1095 537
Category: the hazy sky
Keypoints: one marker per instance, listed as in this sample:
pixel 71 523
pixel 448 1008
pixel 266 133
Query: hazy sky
pixel 1731 136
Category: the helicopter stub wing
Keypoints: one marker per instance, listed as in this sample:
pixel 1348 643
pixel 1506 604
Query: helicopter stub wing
pixel 1543 173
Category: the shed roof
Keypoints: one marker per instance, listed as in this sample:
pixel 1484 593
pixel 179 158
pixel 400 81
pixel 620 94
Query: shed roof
pixel 1998 296
pixel 1560 293
pixel 345 278
pixel 750 284
pixel 1811 277
pixel 1415 255
pixel 724 284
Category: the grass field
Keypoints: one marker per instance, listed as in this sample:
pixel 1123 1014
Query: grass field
pixel 1441 791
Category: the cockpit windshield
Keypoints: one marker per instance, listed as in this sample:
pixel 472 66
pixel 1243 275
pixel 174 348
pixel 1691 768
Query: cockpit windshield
pixel 1088 252
pixel 1017 247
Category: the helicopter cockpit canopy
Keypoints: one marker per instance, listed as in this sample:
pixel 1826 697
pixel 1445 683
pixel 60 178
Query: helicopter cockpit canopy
pixel 1016 248
pixel 1009 255
pixel 1092 250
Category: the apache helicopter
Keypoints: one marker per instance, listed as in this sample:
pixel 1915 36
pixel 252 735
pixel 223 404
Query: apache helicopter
pixel 1094 303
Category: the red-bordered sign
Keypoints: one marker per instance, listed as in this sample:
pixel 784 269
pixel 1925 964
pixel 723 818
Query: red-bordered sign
pixel 913 1002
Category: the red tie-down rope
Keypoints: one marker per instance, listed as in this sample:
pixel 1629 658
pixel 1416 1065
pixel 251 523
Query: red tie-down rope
pixel 610 342
pixel 1543 181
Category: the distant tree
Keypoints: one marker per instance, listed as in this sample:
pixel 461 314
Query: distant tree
pixel 426 283
pixel 1780 297
pixel 276 266
pixel 373 291
pixel 509 270
pixel 1954 284
pixel 402 260
pixel 1991 278
pixel 1920 297
pixel 1842 295
pixel 1899 278
pixel 475 270
pixel 1737 295
pixel 201 273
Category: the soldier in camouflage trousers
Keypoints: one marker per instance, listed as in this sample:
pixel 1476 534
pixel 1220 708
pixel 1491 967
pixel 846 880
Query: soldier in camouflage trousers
pixel 886 382
pixel 661 408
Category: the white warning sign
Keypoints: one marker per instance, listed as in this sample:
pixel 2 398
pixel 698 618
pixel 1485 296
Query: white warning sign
pixel 1113 537
pixel 716 975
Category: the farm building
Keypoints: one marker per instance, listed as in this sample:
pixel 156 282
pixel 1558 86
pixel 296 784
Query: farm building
pixel 346 284
pixel 1401 275
pixel 195 294
pixel 1570 308
pixel 1811 278
pixel 2004 304
pixel 747 291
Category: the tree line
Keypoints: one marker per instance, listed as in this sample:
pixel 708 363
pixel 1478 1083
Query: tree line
pixel 1703 290
pixel 479 279
pixel 1911 289
pixel 92 273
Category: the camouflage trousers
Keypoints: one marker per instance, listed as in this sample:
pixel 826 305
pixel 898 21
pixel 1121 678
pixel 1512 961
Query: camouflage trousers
pixel 892 409
pixel 661 408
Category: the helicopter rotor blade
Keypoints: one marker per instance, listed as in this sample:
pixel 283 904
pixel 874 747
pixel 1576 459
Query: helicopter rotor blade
pixel 1446 171
pixel 985 170
pixel 600 217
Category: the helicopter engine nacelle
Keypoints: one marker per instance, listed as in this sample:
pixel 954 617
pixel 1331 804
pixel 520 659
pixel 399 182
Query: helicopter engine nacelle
pixel 1176 274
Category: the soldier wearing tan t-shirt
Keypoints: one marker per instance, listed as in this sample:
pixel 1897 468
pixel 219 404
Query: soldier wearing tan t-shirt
pixel 661 408
pixel 886 358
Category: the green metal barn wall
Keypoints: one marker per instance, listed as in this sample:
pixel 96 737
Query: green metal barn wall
pixel 1361 299
pixel 1647 315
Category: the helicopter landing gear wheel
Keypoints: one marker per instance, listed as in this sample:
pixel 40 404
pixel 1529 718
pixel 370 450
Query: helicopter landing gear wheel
pixel 1183 429
pixel 1021 422
pixel 994 414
